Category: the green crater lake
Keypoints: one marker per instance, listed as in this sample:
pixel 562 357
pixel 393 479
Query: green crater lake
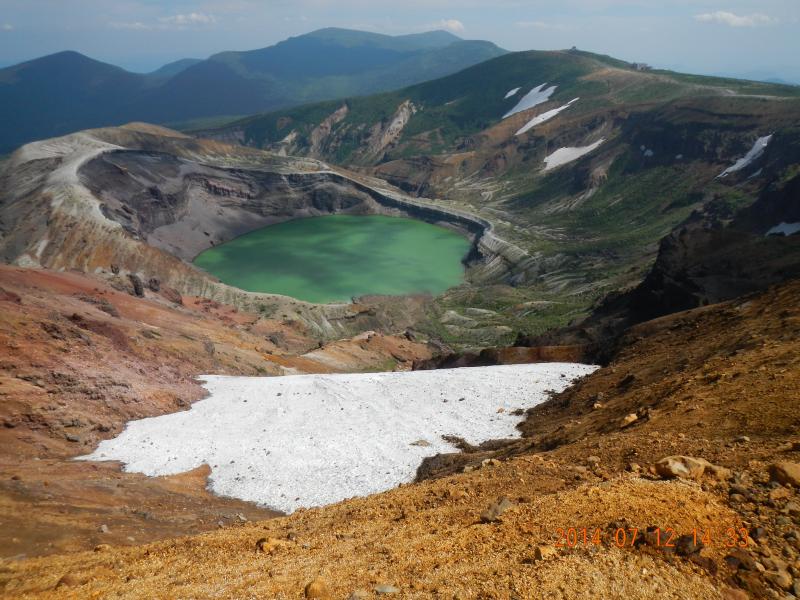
pixel 333 258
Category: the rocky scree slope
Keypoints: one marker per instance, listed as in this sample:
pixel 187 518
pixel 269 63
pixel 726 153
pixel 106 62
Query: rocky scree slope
pixel 489 525
pixel 579 160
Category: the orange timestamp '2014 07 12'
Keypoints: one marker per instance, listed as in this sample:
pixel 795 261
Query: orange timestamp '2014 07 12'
pixel 622 537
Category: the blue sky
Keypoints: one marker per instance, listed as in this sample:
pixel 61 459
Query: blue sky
pixel 758 38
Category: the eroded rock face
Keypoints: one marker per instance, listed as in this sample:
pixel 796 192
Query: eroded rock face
pixel 185 207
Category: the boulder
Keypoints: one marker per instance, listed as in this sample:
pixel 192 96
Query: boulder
pixel 689 467
pixel 136 282
pixel 785 473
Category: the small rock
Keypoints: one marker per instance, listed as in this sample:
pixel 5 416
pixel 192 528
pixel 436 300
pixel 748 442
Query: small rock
pixel 634 468
pixel 739 559
pixel 385 588
pixel 792 509
pixel 318 589
pixel 780 578
pixel 241 517
pixel 741 439
pixel 71 437
pixel 628 419
pixel 734 594
pixel 685 545
pixel 456 494
pixel 785 473
pixel 490 462
pixel 738 488
pixel 102 548
pixel 592 460
pixel 597 406
pixel 421 443
pixel 544 552
pixel 70 580
pixel 104 528
pixel 269 544
pixel 497 508
pixel 778 493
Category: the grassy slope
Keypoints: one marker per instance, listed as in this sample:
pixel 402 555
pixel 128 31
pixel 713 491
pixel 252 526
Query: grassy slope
pixel 472 100
pixel 608 238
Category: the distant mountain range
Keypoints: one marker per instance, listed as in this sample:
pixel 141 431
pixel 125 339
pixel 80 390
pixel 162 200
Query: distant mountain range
pixel 68 91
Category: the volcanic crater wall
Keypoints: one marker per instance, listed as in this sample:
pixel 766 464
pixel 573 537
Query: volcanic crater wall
pixel 184 207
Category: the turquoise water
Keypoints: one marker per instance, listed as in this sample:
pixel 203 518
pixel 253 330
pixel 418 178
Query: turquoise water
pixel 337 257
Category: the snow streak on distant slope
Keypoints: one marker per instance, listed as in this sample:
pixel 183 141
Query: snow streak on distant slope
pixel 511 93
pixel 545 116
pixel 307 440
pixel 756 151
pixel 784 228
pixel 563 156
pixel 533 98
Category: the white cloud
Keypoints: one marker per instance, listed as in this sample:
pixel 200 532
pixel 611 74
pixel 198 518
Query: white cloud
pixel 7 27
pixel 453 25
pixel 733 20
pixel 188 20
pixel 179 22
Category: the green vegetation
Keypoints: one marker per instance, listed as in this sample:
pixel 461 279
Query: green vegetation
pixel 308 68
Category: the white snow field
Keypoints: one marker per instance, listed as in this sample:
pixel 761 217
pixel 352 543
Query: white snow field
pixel 754 152
pixel 536 96
pixel 545 116
pixel 562 156
pixel 309 440
pixel 784 228
pixel 511 93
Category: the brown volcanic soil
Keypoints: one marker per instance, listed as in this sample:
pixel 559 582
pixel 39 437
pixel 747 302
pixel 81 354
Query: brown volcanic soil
pixel 79 358
pixel 695 380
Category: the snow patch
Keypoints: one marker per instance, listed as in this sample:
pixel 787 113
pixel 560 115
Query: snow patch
pixel 545 116
pixel 756 151
pixel 306 440
pixel 783 228
pixel 563 156
pixel 511 93
pixel 536 96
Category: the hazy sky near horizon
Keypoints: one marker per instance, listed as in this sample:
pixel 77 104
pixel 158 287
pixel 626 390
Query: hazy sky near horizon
pixel 758 38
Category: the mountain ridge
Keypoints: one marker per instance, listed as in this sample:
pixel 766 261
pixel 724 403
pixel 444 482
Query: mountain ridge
pixel 67 91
